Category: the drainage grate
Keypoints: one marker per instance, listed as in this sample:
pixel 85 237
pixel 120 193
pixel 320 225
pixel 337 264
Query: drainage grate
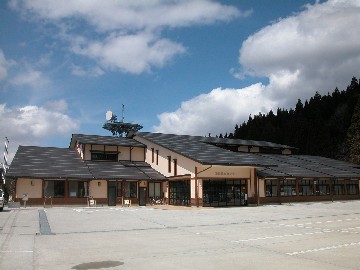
pixel 44 224
pixel 97 265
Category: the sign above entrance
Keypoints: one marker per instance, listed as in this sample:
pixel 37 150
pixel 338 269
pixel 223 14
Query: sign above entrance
pixel 231 172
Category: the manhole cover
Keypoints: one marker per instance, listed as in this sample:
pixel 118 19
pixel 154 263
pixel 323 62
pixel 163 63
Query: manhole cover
pixel 97 265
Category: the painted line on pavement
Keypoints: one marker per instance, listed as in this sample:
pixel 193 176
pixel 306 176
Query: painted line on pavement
pixel 322 249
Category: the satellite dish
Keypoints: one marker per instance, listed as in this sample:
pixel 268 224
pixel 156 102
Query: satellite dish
pixel 109 115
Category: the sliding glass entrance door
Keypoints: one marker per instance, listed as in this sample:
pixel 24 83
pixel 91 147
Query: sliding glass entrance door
pixel 224 193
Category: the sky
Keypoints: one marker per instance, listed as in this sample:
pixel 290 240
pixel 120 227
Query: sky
pixel 178 66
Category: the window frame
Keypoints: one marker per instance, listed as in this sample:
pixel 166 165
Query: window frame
pixel 131 196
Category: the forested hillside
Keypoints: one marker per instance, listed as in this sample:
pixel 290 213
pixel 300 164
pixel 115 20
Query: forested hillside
pixel 324 125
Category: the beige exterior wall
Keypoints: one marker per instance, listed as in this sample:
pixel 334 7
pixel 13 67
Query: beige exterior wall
pixel 96 190
pixel 286 152
pixel 262 187
pixel 31 187
pixel 243 148
pixel 137 154
pixel 254 150
pixel 184 165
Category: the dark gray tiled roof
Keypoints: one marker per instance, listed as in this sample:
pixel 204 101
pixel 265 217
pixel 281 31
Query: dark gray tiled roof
pixel 55 163
pixel 304 166
pixel 194 148
pixel 239 142
pixel 269 165
pixel 127 170
pixel 47 162
pixel 103 140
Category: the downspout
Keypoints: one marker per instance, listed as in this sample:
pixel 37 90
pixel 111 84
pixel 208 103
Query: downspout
pixel 257 188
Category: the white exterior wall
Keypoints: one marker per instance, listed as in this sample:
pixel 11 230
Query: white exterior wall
pixel 23 186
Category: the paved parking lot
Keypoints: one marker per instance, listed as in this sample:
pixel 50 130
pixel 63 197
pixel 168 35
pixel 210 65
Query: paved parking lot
pixel 295 236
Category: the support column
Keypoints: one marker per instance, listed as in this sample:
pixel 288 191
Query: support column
pixel 196 189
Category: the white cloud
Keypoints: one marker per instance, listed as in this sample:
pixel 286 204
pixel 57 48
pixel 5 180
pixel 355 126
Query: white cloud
pixel 32 78
pixel 131 53
pixel 215 112
pixel 89 72
pixel 29 125
pixel 315 50
pixel 128 32
pixel 131 15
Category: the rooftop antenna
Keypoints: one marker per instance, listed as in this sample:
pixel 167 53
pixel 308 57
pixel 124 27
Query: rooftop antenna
pixel 120 128
pixel 122 114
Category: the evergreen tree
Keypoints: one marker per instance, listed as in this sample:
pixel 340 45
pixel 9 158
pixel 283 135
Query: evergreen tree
pixel 353 136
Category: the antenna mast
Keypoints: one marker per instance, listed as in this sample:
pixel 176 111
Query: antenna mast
pixel 120 128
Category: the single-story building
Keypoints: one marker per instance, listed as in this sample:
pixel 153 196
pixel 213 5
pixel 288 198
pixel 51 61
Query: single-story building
pixel 178 169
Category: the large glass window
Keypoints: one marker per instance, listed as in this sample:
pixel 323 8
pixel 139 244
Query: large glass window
pixel 78 189
pixel 271 188
pixel 322 187
pixel 353 187
pixel 130 189
pixel 224 192
pixel 338 187
pixel 306 188
pixel 179 192
pixel 105 156
pixel 54 189
pixel 155 190
pixel 287 187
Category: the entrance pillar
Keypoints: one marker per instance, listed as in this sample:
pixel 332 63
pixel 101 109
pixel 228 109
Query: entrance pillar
pixel 196 189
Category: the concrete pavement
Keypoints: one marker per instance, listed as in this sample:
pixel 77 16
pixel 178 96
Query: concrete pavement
pixel 296 236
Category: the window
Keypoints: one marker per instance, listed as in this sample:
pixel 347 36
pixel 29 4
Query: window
pixel 353 187
pixel 54 189
pixel 119 189
pixel 287 188
pixel 175 167
pixel 271 189
pixel 157 157
pixel 338 187
pixel 155 190
pixel 105 156
pixel 78 189
pixel 130 189
pixel 305 188
pixel 179 192
pixel 169 164
pixel 224 192
pixel 152 155
pixel 322 187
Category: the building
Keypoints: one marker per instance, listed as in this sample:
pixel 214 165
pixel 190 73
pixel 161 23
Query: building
pixel 180 169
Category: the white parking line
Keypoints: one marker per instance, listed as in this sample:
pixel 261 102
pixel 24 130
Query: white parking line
pixel 322 249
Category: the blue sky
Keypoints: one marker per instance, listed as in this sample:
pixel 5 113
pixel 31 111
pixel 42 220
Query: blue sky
pixel 184 67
